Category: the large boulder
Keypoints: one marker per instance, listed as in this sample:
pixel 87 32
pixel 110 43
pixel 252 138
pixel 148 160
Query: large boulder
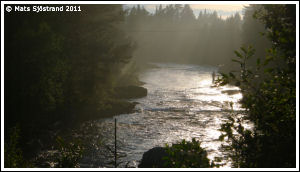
pixel 130 92
pixel 153 158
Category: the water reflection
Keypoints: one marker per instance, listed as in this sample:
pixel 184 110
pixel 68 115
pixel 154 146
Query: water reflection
pixel 181 104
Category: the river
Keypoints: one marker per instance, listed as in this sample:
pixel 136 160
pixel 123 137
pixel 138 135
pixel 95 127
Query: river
pixel 181 104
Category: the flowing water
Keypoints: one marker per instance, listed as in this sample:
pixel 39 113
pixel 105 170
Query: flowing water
pixel 181 104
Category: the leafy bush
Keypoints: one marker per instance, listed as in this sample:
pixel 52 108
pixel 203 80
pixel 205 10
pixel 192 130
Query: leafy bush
pixel 69 153
pixel 13 156
pixel 186 155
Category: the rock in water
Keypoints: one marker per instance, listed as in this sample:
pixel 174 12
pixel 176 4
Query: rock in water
pixel 231 92
pixel 153 158
pixel 129 92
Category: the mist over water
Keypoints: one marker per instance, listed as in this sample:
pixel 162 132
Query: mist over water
pixel 181 104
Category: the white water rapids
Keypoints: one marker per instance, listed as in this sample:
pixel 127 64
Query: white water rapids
pixel 181 104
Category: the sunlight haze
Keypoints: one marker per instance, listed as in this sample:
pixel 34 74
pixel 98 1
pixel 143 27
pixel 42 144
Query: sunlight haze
pixel 225 10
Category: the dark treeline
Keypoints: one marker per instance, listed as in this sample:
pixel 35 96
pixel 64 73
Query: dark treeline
pixel 175 34
pixel 64 66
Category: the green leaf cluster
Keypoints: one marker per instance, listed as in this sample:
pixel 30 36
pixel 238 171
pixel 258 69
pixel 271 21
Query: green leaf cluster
pixel 69 154
pixel 186 154
pixel 13 155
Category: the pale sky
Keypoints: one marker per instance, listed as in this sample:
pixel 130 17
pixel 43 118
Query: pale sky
pixel 224 10
pixel 224 7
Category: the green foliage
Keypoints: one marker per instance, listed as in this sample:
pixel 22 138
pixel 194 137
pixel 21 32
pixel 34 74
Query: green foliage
pixel 252 31
pixel 242 145
pixel 270 102
pixel 13 156
pixel 69 153
pixel 186 155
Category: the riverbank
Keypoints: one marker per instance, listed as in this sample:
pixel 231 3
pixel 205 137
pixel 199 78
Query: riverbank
pixel 35 139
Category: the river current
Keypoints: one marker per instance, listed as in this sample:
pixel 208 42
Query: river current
pixel 181 104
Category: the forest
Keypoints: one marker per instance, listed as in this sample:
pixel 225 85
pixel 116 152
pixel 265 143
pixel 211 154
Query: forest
pixel 63 69
pixel 174 32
